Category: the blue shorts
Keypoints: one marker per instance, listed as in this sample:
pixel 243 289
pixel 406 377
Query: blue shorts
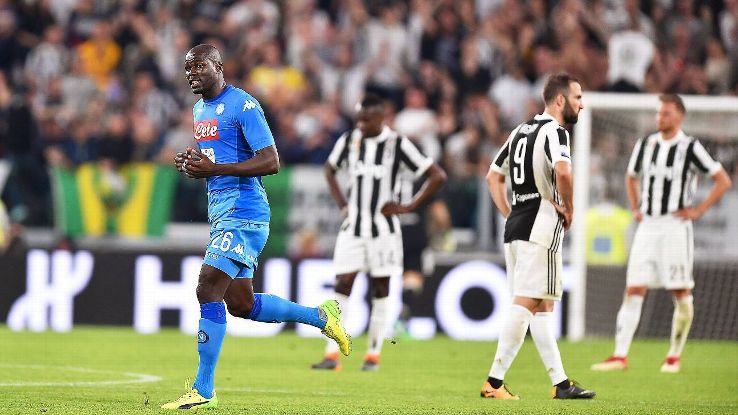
pixel 235 245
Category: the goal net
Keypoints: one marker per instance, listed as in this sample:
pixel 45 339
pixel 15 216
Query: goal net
pixel 603 140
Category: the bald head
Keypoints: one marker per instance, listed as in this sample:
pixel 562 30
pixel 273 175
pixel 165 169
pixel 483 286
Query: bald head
pixel 204 71
pixel 205 51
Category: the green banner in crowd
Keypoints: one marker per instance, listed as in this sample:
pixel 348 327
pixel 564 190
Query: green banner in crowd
pixel 135 200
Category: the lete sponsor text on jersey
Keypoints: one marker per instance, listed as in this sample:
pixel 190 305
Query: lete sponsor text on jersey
pixel 207 130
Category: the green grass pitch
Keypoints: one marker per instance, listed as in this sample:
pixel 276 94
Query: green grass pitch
pixel 86 372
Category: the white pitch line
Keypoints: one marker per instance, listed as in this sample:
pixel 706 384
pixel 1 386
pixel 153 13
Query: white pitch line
pixel 280 391
pixel 137 377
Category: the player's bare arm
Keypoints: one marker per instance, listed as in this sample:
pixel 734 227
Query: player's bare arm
pixel 336 192
pixel 435 178
pixel 496 185
pixel 565 186
pixel 721 185
pixel 264 163
pixel 633 189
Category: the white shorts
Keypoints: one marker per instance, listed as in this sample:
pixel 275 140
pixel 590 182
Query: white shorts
pixel 379 257
pixel 533 270
pixel 662 254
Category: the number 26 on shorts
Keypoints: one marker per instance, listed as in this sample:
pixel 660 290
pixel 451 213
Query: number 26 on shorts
pixel 222 241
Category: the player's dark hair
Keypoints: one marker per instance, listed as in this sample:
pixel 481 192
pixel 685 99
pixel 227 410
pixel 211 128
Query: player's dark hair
pixel 372 100
pixel 674 99
pixel 557 84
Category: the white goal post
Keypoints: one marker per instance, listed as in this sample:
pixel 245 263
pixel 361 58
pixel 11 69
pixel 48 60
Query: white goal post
pixel 583 134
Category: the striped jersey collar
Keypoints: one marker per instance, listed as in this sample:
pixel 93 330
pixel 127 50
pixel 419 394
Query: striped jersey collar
pixel 383 136
pixel 679 135
pixel 545 116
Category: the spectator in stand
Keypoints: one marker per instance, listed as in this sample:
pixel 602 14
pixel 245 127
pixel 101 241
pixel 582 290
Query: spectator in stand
pixel 11 50
pixel 717 68
pixel 274 82
pixel 343 80
pixel 147 142
pixel 472 77
pixel 729 27
pixel 512 92
pixel 418 123
pixel 387 46
pixel 100 54
pixel 155 103
pixel 115 142
pixel 80 146
pixel 441 41
pixel 47 60
pixel 631 53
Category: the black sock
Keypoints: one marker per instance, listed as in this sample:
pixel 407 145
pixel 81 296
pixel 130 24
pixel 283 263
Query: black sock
pixel 496 383
pixel 564 385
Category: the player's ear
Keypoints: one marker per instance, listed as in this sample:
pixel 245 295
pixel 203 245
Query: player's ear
pixel 561 100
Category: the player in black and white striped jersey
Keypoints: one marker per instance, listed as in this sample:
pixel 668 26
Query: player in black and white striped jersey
pixel 370 239
pixel 667 164
pixel 537 157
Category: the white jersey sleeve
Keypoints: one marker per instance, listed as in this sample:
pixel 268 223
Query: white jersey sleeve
pixel 501 162
pixel 703 161
pixel 412 158
pixel 558 144
pixel 635 165
pixel 339 154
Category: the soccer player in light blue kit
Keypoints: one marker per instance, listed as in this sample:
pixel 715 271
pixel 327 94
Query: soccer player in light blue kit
pixel 235 148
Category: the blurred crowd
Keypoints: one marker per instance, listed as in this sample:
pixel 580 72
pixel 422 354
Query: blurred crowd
pixel 102 80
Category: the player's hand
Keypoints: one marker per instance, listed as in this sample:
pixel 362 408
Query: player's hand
pixel 394 208
pixel 689 213
pixel 179 160
pixel 198 165
pixel 565 214
pixel 637 215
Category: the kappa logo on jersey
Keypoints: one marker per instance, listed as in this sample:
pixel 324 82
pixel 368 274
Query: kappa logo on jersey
pixel 249 105
pixel 220 108
pixel 207 130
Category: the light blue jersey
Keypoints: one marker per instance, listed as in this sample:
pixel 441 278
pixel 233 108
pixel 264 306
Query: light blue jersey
pixel 230 128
